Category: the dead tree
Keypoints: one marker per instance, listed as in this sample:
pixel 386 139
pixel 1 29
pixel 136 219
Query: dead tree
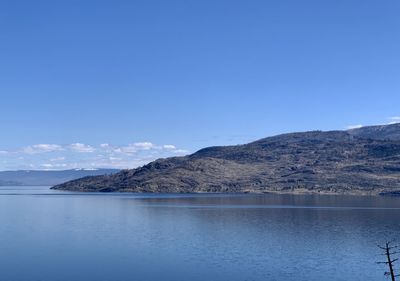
pixel 389 252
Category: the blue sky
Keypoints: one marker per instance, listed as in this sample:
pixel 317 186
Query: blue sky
pixel 170 77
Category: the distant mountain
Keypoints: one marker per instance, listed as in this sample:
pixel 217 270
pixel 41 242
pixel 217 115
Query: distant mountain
pixel 34 177
pixel 359 161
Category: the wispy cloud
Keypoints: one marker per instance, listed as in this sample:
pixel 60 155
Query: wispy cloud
pixel 350 127
pixel 394 120
pixel 57 159
pixel 51 166
pixel 80 155
pixel 389 121
pixel 41 148
pixel 169 146
pixel 143 145
pixel 82 148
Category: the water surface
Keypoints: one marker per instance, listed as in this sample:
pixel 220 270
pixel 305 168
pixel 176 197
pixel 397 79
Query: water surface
pixel 63 236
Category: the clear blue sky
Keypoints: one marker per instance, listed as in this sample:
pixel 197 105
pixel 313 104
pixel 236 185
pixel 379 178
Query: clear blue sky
pixel 191 73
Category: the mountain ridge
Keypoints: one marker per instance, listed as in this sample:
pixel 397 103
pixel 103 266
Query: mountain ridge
pixel 358 161
pixel 47 177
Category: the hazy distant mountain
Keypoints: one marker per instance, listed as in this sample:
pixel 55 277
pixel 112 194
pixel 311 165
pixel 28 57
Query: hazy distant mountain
pixel 27 177
pixel 359 161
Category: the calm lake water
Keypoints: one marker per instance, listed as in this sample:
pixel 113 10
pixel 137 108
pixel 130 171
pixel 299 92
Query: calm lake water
pixel 61 236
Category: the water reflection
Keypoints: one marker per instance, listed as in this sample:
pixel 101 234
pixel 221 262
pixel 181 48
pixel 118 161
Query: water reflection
pixel 48 235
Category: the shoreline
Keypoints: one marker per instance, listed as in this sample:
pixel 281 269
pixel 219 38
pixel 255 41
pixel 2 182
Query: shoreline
pixel 373 193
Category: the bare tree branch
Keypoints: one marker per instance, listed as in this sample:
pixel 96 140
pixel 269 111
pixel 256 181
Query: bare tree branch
pixel 389 254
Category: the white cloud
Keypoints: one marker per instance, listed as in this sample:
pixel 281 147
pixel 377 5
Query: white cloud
pixel 57 159
pixel 125 149
pixel 394 120
pixel 143 145
pixel 49 166
pixel 82 148
pixel 79 155
pixel 115 158
pixel 169 146
pixel 41 148
pixel 135 147
pixel 350 127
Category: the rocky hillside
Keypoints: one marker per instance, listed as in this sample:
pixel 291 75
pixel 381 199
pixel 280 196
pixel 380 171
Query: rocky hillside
pixel 359 161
